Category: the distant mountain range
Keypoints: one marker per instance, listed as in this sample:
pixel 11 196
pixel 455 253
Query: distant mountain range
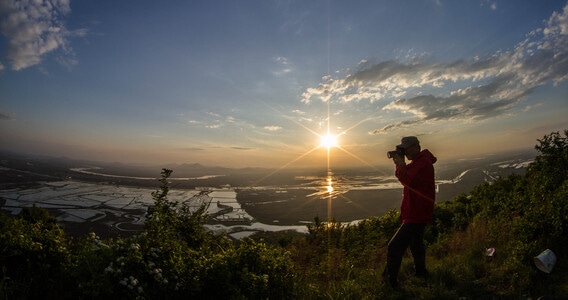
pixel 274 197
pixel 453 177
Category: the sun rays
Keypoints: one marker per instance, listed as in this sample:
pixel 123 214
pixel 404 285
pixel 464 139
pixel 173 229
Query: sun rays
pixel 329 141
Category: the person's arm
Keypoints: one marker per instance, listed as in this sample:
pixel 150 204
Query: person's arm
pixel 406 174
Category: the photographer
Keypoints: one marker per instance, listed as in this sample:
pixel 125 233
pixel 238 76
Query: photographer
pixel 416 209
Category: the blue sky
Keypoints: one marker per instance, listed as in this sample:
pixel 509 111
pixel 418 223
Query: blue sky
pixel 256 83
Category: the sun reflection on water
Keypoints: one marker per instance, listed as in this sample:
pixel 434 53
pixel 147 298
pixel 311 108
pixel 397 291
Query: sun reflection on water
pixel 329 185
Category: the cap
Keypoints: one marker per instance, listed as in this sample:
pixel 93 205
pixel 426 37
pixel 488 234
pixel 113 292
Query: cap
pixel 408 141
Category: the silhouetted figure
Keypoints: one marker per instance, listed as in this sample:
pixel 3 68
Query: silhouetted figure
pixel 416 209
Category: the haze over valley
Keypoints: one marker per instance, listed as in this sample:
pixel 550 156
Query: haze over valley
pixel 112 198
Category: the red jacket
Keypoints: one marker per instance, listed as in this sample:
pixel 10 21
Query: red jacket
pixel 419 195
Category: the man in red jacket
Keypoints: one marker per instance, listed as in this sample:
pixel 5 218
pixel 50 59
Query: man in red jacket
pixel 416 209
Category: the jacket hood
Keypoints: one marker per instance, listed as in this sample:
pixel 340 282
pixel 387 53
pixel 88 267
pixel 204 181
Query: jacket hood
pixel 427 154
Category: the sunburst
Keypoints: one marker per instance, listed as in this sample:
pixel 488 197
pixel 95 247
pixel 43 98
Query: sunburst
pixel 329 141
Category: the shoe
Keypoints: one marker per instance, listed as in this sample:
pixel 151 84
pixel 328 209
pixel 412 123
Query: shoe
pixel 392 282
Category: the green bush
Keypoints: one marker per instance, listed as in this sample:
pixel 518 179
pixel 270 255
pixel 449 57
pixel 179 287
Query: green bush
pixel 34 255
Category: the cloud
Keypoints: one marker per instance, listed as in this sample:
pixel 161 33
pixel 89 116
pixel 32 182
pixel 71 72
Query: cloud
pixel 7 116
pixel 34 29
pixel 192 149
pixel 284 66
pixel 213 120
pixel 461 90
pixel 241 148
pixel 491 4
pixel 273 128
pixel 295 21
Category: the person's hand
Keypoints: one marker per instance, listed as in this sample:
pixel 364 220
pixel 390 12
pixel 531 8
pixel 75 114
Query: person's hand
pixel 398 160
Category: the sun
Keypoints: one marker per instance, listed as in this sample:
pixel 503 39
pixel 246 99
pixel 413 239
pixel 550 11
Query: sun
pixel 328 141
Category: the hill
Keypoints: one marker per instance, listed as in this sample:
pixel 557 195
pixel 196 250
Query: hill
pixel 518 215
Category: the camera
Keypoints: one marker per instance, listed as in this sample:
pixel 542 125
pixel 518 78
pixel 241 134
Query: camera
pixel 398 152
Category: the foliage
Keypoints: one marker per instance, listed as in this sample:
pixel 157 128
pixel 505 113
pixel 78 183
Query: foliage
pixel 175 257
pixel 34 255
pixel 519 215
pixel 172 220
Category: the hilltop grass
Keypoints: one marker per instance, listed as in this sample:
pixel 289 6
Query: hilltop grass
pixel 176 258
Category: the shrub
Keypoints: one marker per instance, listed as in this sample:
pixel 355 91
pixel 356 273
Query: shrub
pixel 34 255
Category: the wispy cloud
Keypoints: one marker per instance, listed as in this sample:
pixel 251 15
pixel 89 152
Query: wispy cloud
pixel 219 121
pixel 191 149
pixel 489 3
pixel 466 90
pixel 242 148
pixel 295 21
pixel 284 66
pixel 273 128
pixel 35 28
pixel 7 116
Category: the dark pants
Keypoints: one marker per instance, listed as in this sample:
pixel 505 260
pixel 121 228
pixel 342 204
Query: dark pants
pixel 408 235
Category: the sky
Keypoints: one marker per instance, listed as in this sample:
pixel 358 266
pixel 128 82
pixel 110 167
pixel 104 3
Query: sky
pixel 257 83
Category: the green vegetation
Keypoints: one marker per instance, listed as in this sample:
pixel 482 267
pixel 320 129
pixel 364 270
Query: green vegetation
pixel 175 258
